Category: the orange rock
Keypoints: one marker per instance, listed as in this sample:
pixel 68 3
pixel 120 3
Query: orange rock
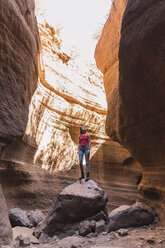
pixel 136 97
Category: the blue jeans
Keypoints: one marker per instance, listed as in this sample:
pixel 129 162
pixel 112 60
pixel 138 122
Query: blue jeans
pixel 84 150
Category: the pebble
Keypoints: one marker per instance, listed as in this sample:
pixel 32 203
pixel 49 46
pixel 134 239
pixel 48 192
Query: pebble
pixel 150 240
pixel 123 232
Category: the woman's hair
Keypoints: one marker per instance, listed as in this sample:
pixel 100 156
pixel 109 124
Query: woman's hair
pixel 82 130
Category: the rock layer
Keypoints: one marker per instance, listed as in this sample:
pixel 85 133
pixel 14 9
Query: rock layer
pixel 70 94
pixel 107 60
pixel 142 95
pixel 137 120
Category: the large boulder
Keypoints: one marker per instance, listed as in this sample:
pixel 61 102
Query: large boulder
pixel 6 234
pixel 138 214
pixel 75 203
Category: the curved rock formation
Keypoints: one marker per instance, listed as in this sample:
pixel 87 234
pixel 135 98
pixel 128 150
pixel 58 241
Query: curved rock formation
pixel 70 94
pixel 106 55
pixel 137 121
pixel 19 47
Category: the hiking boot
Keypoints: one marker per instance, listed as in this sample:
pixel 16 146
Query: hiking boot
pixel 82 175
pixel 87 178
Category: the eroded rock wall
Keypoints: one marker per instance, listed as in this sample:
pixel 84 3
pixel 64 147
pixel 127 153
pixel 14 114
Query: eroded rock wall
pixel 138 120
pixel 19 47
pixel 142 79
pixel 69 94
pixel 107 60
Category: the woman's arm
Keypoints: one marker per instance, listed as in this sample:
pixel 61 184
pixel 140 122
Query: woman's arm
pixel 78 143
pixel 89 142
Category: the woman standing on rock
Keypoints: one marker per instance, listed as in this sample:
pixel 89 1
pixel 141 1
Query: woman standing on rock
pixel 84 148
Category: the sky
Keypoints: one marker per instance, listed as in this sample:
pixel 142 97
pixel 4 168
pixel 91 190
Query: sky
pixel 80 19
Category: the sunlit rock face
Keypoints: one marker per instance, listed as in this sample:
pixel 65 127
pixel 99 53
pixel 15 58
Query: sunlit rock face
pixel 70 94
pixel 106 55
pixel 139 116
pixel 19 46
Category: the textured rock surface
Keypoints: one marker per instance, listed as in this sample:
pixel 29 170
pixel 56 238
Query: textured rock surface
pixel 75 203
pixel 84 228
pixel 142 107
pixel 6 234
pixel 138 214
pixel 107 60
pixel 35 217
pixel 28 187
pixel 18 230
pixel 64 100
pixel 70 94
pixel 138 119
pixel 18 217
pixel 19 45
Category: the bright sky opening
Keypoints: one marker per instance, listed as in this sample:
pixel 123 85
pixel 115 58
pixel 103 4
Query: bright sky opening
pixel 80 20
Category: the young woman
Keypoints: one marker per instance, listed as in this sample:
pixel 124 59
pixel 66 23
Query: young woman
pixel 84 148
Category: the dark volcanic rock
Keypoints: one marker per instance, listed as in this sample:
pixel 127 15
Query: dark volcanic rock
pixel 18 217
pixel 6 234
pixel 138 214
pixel 75 203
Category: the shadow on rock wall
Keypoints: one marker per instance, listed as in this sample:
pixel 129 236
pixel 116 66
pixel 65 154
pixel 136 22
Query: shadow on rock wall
pixel 119 174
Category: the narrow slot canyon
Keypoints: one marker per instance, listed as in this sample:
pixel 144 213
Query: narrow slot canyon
pixel 49 88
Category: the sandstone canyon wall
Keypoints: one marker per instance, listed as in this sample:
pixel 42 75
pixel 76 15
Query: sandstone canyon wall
pixel 138 119
pixel 69 94
pixel 19 47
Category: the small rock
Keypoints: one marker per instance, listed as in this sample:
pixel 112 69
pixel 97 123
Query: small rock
pixel 35 217
pixel 92 225
pixel 112 236
pixel 104 233
pixel 24 240
pixel 18 217
pixel 122 232
pixel 99 216
pixel 92 235
pixel 84 228
pixel 55 238
pixel 161 241
pixel 18 230
pixel 100 226
pixel 150 240
pixel 43 238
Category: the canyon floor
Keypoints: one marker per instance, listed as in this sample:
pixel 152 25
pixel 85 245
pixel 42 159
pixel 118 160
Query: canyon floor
pixel 143 237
